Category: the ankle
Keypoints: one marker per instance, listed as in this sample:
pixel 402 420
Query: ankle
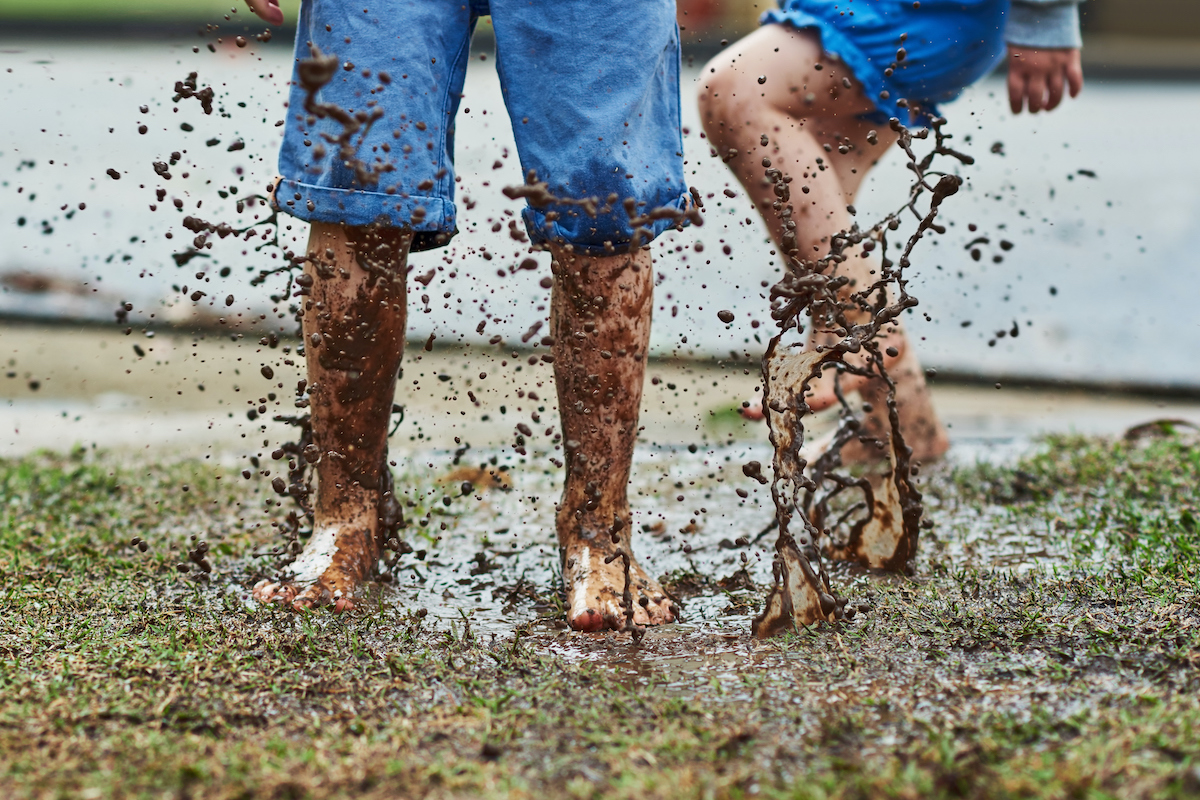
pixel 594 528
pixel 345 502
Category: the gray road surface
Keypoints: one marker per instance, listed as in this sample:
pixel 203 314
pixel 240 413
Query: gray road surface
pixel 187 396
pixel 1116 249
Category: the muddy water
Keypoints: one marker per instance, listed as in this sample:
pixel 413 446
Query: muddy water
pixel 497 559
pixel 494 566
pixel 848 328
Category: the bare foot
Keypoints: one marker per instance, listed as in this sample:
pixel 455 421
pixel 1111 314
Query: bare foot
pixel 595 589
pixel 335 563
pixel 923 431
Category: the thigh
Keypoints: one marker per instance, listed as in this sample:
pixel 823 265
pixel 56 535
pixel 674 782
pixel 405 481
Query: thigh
pixel 592 89
pixel 924 54
pixel 800 78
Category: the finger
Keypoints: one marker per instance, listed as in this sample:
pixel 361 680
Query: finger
pixel 268 10
pixel 1075 74
pixel 1054 88
pixel 1035 92
pixel 1016 87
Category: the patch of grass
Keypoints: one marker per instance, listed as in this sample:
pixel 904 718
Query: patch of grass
pixel 120 677
pixel 1134 505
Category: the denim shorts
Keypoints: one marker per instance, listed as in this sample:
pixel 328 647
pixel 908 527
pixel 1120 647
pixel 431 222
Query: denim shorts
pixel 591 88
pixel 949 45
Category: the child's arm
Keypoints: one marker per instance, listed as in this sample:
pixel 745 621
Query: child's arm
pixel 268 10
pixel 1043 53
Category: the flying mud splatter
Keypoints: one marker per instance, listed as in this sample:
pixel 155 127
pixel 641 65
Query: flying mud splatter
pixel 298 272
pixel 886 531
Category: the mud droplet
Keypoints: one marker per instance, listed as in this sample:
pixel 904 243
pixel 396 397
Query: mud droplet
pixel 753 469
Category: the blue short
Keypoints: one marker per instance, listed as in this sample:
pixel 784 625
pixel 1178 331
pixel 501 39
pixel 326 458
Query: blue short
pixel 592 91
pixel 950 44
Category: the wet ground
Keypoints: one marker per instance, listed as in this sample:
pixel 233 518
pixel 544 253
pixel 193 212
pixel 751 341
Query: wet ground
pixel 1046 645
pixel 1100 208
pixel 186 397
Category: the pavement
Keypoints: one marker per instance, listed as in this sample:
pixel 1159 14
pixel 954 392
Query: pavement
pixel 1099 200
pixel 185 395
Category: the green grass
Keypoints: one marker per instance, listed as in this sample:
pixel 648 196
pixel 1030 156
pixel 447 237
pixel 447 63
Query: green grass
pixel 121 678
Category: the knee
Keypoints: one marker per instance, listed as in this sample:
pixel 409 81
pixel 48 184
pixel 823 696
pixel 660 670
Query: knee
pixel 716 93
pixel 729 98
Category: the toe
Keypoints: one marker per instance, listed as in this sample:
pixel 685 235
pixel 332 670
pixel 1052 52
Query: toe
pixel 657 612
pixel 589 620
pixel 264 591
pixel 342 605
pixel 270 592
pixel 311 598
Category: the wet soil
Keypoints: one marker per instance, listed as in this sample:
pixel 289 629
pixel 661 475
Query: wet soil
pixel 1049 646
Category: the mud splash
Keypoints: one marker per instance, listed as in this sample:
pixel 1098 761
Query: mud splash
pixel 886 532
pixel 333 331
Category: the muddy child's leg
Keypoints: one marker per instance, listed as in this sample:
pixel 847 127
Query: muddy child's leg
pixel 354 327
pixel 809 115
pixel 919 423
pixel 600 320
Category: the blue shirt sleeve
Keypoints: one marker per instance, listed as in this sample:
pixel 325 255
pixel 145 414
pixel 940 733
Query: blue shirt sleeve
pixel 1043 24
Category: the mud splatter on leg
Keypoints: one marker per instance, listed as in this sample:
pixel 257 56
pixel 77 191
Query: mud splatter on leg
pixel 600 322
pixel 354 327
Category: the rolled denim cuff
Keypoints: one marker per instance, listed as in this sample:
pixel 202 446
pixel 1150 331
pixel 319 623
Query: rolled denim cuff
pixel 1043 25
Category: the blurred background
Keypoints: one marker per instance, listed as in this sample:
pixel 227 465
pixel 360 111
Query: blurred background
pixel 1100 202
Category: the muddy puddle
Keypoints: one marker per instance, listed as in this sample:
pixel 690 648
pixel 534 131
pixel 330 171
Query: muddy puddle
pixel 491 564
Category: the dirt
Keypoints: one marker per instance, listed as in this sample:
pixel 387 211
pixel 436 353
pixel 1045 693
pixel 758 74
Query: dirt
pixel 1050 645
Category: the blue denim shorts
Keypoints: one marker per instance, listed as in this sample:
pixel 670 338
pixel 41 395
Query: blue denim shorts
pixel 592 90
pixel 949 45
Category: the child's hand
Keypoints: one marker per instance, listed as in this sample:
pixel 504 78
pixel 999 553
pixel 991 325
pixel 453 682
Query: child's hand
pixel 268 10
pixel 1037 76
